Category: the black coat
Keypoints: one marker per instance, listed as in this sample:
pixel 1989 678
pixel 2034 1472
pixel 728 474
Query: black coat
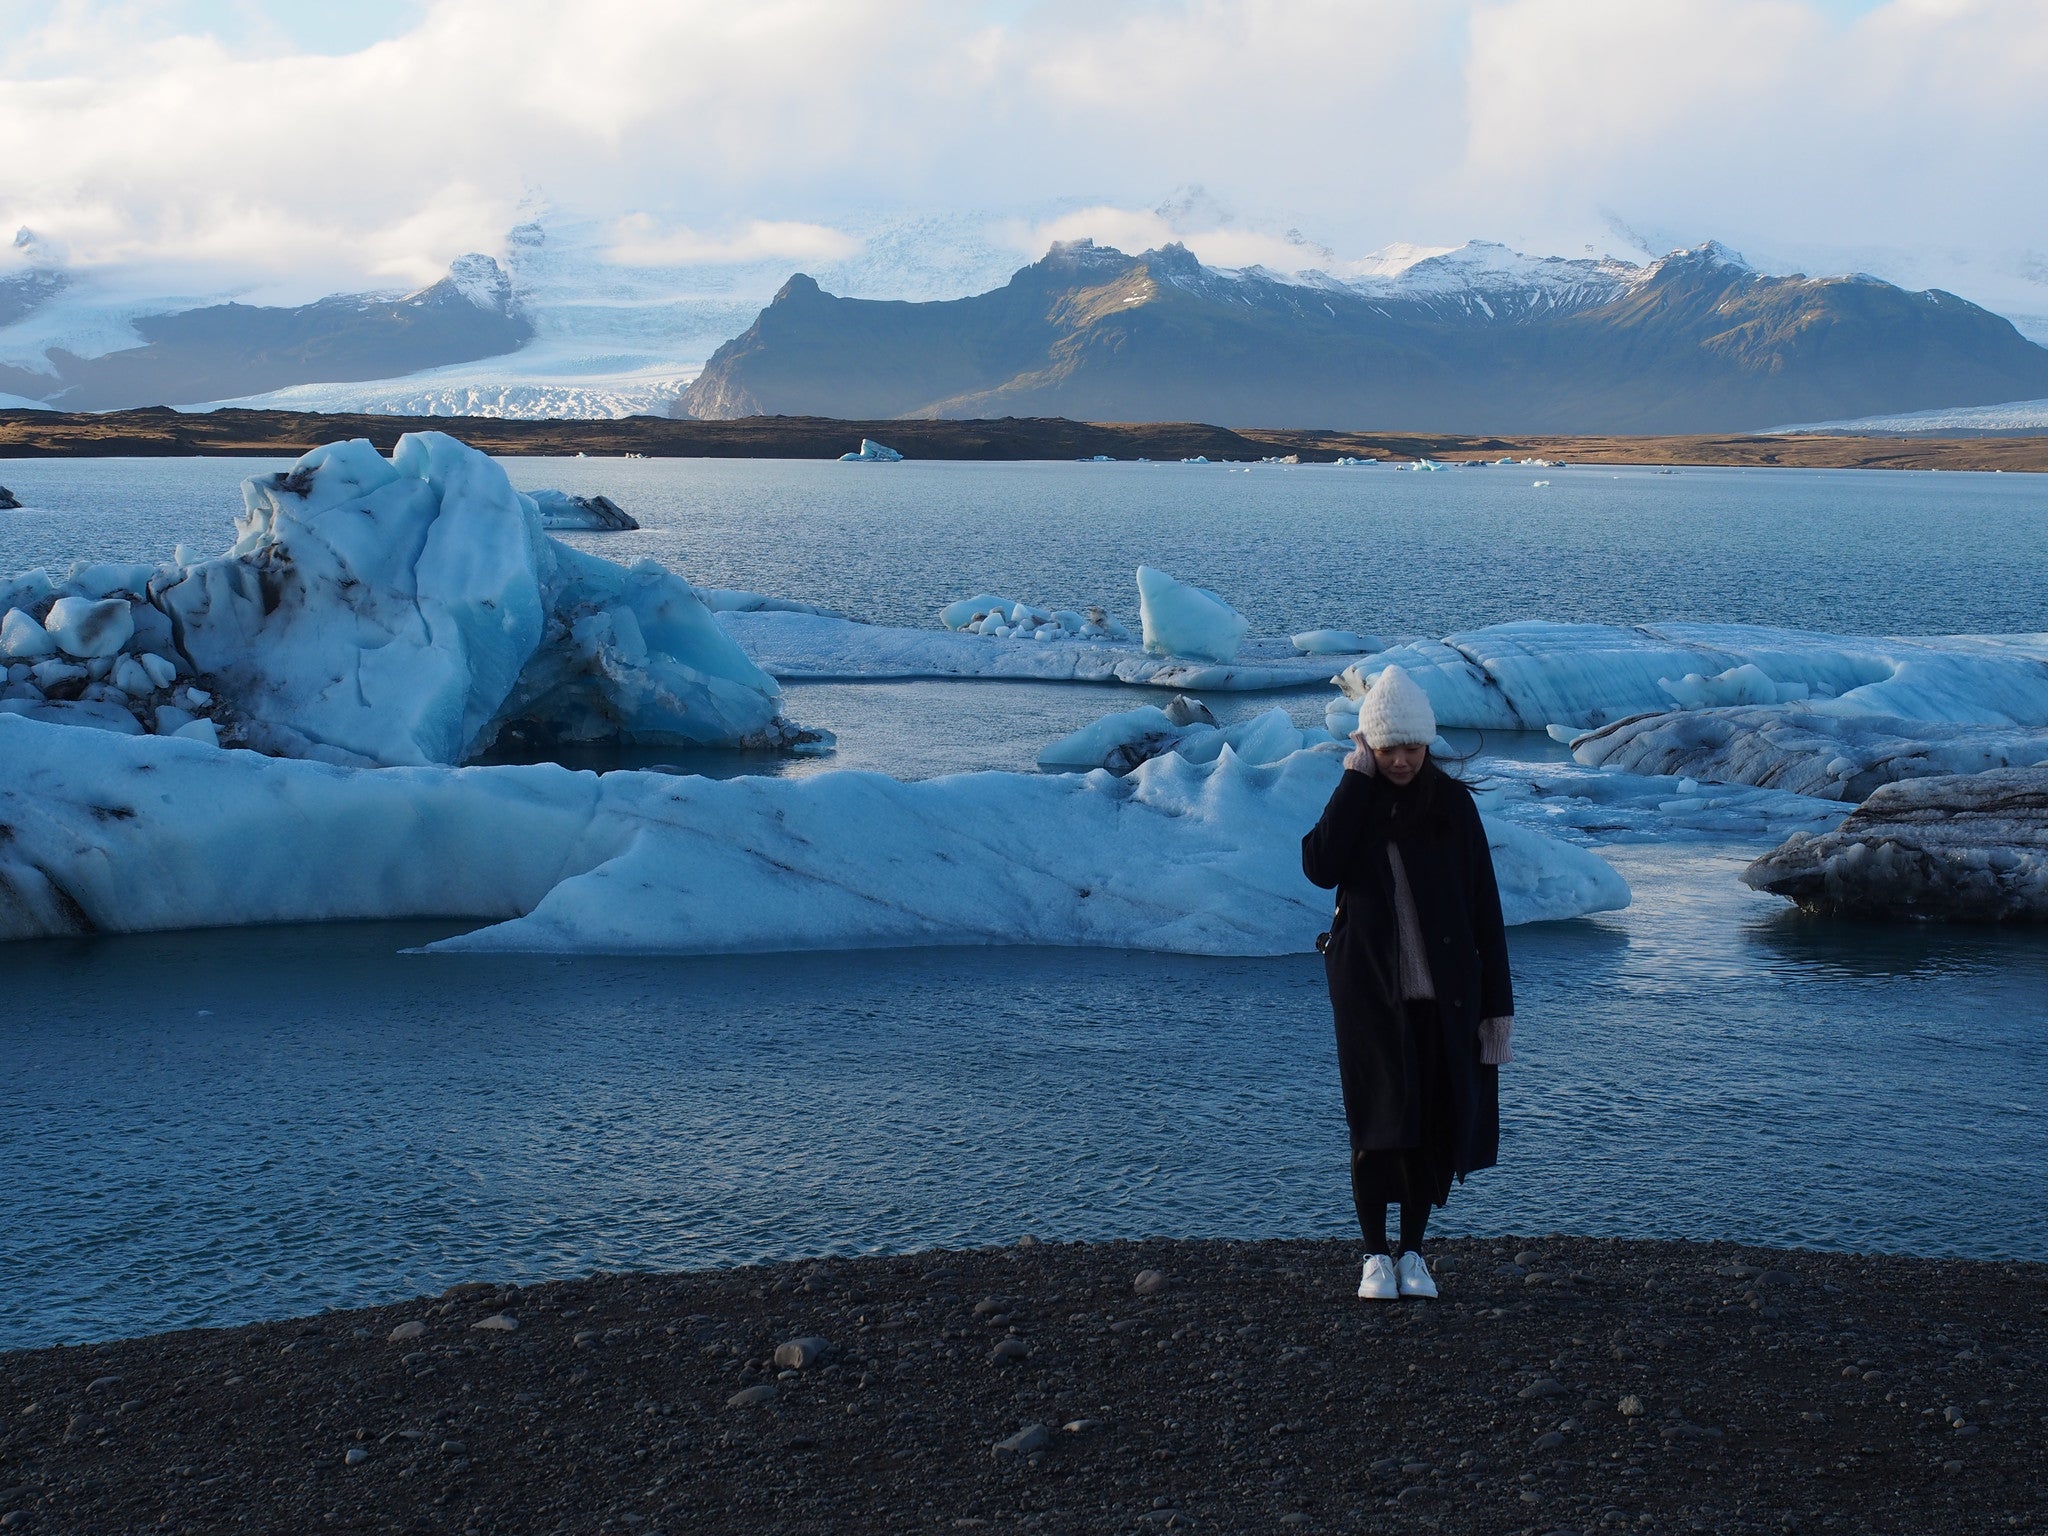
pixel 1450 872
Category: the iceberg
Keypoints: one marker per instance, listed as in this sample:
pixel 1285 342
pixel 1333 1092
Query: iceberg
pixel 1530 675
pixel 1805 750
pixel 373 611
pixel 1972 847
pixel 1184 620
pixel 561 512
pixel 152 832
pixel 1336 642
pixel 871 452
pixel 1120 742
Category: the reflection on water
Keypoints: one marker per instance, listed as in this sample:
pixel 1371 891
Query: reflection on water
pixel 207 1127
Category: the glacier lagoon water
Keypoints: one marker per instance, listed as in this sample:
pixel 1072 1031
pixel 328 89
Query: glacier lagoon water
pixel 202 1128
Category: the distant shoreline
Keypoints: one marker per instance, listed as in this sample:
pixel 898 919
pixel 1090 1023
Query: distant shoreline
pixel 164 433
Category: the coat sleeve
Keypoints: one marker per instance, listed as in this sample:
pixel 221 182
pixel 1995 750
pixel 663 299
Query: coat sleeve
pixel 1489 932
pixel 1327 851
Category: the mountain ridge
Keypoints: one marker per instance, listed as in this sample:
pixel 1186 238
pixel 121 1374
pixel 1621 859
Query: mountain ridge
pixel 1479 339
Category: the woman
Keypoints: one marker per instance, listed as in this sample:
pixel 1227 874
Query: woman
pixel 1417 960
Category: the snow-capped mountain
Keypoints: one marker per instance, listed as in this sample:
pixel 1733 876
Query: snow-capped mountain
pixel 1479 339
pixel 77 346
pixel 598 319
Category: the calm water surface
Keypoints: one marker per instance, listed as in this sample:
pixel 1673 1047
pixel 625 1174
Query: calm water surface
pixel 1859 551
pixel 203 1128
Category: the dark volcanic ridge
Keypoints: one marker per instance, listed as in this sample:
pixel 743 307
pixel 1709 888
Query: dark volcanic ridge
pixel 1559 1385
pixel 161 432
pixel 1696 342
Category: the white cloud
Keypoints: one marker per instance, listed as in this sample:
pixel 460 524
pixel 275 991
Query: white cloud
pixel 707 131
pixel 640 242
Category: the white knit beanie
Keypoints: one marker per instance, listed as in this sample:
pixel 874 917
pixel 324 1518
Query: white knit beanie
pixel 1396 712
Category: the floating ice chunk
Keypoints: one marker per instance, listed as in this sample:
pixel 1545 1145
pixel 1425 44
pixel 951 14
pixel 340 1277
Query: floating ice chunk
pixel 559 511
pixel 1805 749
pixel 871 452
pixel 88 627
pixel 22 638
pixel 1117 742
pixel 1197 859
pixel 971 610
pixel 1532 674
pixel 1181 619
pixel 1969 846
pixel 1746 684
pixel 1336 642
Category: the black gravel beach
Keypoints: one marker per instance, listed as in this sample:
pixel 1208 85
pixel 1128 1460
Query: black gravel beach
pixel 1560 1384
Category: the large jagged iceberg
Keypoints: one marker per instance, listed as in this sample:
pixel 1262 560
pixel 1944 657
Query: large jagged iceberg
pixel 146 833
pixel 380 612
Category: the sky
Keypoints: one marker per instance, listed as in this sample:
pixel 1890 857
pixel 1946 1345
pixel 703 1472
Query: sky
pixel 317 147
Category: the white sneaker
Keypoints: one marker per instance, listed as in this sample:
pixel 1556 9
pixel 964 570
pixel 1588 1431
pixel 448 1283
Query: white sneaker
pixel 1378 1282
pixel 1414 1277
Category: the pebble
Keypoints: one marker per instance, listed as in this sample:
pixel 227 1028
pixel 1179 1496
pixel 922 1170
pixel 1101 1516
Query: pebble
pixel 1150 1282
pixel 497 1322
pixel 1027 1241
pixel 101 1383
pixel 1009 1349
pixel 747 1397
pixel 1543 1386
pixel 1079 1426
pixel 406 1331
pixel 1528 1258
pixel 1630 1407
pixel 1033 1437
pixel 1550 1441
pixel 354 1456
pixel 454 1447
pixel 801 1354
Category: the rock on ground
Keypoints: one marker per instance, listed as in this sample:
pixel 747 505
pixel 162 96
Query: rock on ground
pixel 1560 1384
pixel 1965 846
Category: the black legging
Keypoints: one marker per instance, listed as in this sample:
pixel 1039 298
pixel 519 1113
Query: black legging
pixel 1372 1220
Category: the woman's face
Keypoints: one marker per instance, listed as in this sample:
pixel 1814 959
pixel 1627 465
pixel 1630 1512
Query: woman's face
pixel 1399 764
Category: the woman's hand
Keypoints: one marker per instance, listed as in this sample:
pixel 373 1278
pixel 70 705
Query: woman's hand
pixel 1359 758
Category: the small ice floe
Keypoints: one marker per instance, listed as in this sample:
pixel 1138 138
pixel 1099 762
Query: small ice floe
pixel 871 452
pixel 1120 742
pixel 1346 461
pixel 1181 619
pixel 1538 484
pixel 1006 618
pixel 1336 642
pixel 560 512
